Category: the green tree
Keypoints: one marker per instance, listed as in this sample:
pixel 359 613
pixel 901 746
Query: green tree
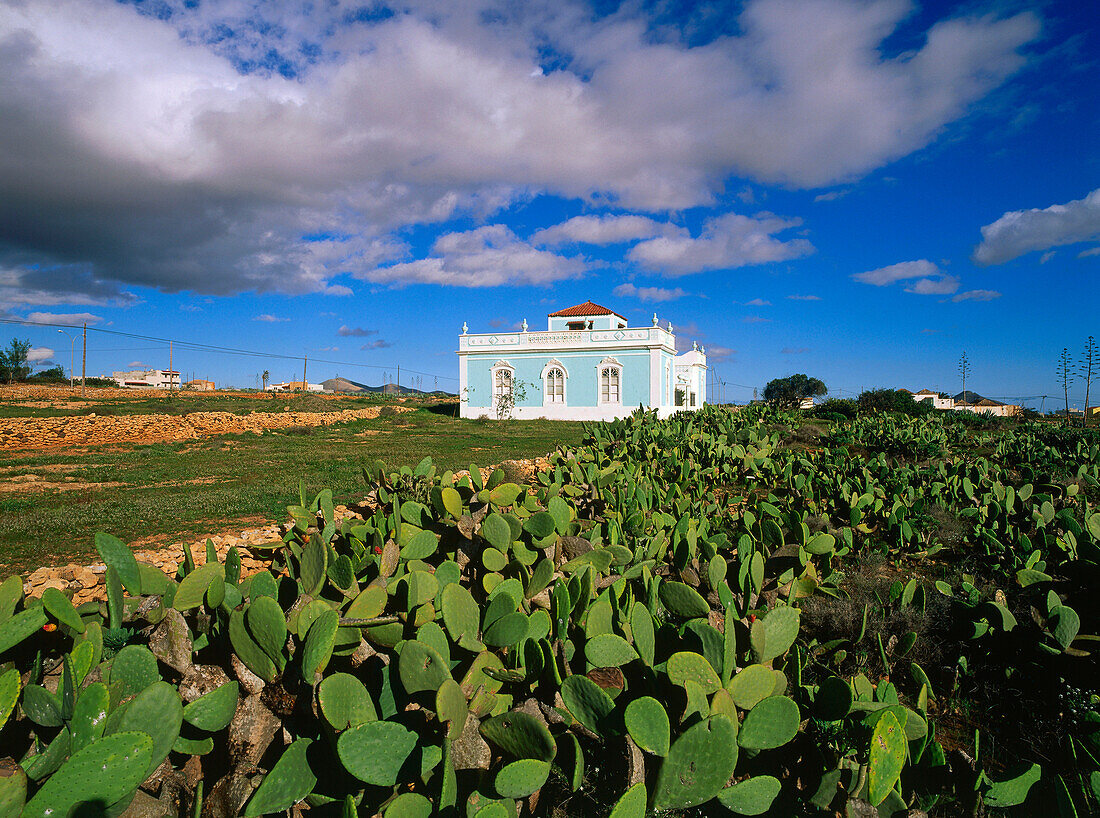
pixel 788 393
pixel 13 361
pixel 891 400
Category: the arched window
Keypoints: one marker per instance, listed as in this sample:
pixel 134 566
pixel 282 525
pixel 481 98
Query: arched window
pixel 554 375
pixel 502 376
pixel 610 381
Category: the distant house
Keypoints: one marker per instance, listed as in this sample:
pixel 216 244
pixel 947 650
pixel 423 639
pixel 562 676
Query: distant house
pixel 295 386
pixel 934 398
pixel 147 379
pixel 587 365
pixel 200 385
pixel 973 402
pixel 806 403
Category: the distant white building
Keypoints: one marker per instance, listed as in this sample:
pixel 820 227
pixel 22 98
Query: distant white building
pixel 935 399
pixel 147 379
pixel 295 386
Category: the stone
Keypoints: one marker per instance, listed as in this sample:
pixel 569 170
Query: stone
pixel 470 751
pixel 250 682
pixel 199 680
pixel 251 731
pixel 171 641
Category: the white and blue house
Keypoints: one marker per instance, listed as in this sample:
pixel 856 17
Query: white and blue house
pixel 588 365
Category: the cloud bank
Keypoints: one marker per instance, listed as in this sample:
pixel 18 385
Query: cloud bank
pixel 222 148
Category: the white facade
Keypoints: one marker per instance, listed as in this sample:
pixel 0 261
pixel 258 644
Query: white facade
pixel 935 399
pixel 295 386
pixel 588 365
pixel 147 379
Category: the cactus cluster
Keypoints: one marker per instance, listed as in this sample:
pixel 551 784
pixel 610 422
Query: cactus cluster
pixel 479 647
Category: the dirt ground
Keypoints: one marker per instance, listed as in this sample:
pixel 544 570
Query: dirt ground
pixel 90 430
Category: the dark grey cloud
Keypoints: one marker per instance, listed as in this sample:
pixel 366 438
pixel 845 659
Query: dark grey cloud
pixel 140 149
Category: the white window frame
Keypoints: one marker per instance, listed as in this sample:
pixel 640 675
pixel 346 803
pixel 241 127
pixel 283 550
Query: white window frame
pixel 547 396
pixel 614 365
pixel 494 373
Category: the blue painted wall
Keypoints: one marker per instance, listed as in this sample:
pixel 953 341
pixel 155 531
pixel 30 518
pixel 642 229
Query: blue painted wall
pixel 581 382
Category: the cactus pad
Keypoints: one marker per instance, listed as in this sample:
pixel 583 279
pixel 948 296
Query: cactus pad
pixel 521 735
pixel 289 781
pixel 774 633
pixel 266 624
pixel 686 666
pixel 771 723
pixel 588 703
pixel 647 723
pixel 105 771
pixel 682 600
pixel 609 650
pixel 344 701
pixel 374 752
pixel 887 758
pixel 751 686
pixel 421 667
pixel 214 710
pixel 698 765
pixel 753 796
pixel 521 778
pixel 631 804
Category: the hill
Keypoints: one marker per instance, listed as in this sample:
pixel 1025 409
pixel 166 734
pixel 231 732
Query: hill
pixel 345 385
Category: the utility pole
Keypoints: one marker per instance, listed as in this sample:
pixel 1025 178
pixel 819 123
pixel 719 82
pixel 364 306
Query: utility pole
pixel 72 355
pixel 84 361
pixel 169 366
pixel 399 379
pixel 305 360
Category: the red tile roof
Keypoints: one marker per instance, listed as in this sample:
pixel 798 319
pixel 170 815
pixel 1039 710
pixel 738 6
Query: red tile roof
pixel 587 308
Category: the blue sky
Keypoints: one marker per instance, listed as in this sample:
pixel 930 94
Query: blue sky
pixel 856 189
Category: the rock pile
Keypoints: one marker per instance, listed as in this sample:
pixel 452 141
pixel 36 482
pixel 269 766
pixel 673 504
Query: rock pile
pixel 90 430
pixel 86 582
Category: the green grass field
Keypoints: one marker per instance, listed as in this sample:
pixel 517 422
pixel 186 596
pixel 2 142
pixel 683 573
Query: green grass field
pixel 233 482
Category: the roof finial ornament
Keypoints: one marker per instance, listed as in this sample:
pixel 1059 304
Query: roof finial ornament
pixel 695 345
pixel 465 328
pixel 654 319
pixel 524 325
pixel 703 350
pixel 670 328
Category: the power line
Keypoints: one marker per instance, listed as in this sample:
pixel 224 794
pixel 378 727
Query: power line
pixel 196 346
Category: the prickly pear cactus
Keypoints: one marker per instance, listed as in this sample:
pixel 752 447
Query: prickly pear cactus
pixel 698 765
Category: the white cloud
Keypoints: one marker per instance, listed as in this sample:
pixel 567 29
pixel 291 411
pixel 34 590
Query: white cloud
pixel 758 302
pixel 885 276
pixel 944 285
pixel 268 318
pixel 488 256
pixel 794 350
pixel 1019 232
pixel 654 294
pixel 64 319
pixel 603 230
pixel 724 242
pixel 804 297
pixel 1092 251
pixel 152 149
pixel 931 281
pixel 832 195
pixel 977 295
pixel 36 355
pixel 136 363
pixel 755 319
